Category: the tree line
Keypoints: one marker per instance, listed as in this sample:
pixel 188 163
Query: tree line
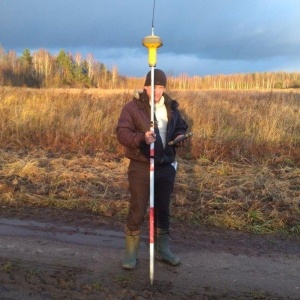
pixel 256 81
pixel 42 69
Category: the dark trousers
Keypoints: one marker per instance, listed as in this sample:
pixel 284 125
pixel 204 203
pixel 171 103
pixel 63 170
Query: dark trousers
pixel 139 187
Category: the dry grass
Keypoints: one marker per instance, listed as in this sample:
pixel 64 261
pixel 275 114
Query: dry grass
pixel 59 120
pixel 66 181
pixel 241 170
pixel 239 125
pixel 249 197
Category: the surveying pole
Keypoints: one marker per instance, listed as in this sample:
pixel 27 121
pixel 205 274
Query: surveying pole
pixel 152 42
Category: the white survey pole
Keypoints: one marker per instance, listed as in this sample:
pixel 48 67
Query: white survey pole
pixel 152 42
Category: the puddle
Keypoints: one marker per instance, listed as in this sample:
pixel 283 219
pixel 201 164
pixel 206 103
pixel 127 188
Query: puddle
pixel 69 234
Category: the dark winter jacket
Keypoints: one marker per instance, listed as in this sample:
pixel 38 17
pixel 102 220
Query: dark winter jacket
pixel 135 120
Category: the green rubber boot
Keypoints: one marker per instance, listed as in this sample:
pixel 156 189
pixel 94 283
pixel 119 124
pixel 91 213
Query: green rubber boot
pixel 132 243
pixel 163 252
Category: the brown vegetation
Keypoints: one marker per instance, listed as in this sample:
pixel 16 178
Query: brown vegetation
pixel 241 169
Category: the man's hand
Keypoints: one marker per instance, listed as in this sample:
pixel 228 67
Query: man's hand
pixel 150 137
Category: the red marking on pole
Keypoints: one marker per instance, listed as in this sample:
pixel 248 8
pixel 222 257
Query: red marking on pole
pixel 151 224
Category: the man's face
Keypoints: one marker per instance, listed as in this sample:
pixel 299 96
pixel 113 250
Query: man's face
pixel 158 92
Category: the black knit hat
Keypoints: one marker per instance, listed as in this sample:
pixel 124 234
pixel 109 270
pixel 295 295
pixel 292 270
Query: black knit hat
pixel 159 78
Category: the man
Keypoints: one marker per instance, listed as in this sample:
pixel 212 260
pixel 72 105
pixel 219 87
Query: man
pixel 133 133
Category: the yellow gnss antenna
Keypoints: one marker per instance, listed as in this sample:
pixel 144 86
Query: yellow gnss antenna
pixel 152 42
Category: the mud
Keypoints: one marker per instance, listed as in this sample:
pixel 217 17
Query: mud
pixel 53 254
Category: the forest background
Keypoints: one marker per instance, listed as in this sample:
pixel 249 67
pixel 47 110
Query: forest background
pixel 43 70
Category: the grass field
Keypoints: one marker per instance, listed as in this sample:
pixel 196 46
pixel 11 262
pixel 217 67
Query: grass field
pixel 241 169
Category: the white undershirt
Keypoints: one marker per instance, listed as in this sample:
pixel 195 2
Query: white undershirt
pixel 162 119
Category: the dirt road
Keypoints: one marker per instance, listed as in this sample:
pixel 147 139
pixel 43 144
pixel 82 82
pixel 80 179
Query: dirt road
pixel 49 254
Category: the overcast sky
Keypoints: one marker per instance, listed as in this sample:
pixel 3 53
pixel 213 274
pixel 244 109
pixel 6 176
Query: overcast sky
pixel 200 37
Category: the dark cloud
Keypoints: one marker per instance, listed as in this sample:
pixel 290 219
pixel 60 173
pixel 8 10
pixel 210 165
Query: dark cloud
pixel 204 33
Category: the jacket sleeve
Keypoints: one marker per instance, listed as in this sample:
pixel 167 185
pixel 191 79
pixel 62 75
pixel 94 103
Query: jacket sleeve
pixel 127 134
